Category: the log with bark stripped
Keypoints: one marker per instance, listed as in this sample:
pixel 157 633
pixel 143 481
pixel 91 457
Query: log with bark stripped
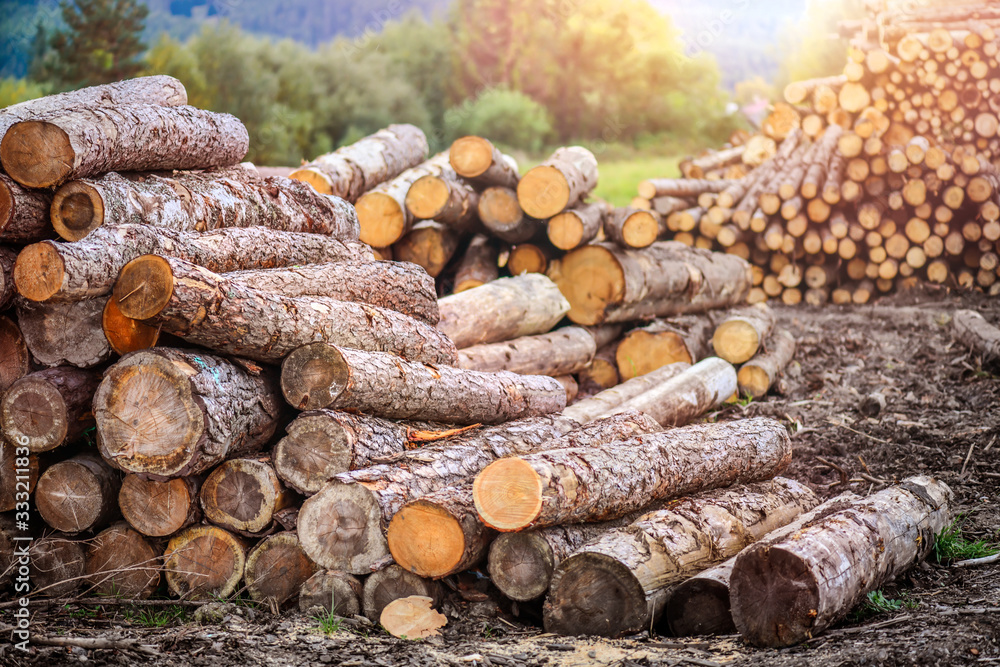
pixel 243 494
pixel 561 181
pixel 24 213
pixel 678 339
pixel 159 509
pixel 478 265
pixel 277 568
pixel 59 334
pixel 382 211
pixel 757 376
pixel 204 562
pixel 477 160
pixel 121 563
pixel 604 402
pixel 560 352
pixel 48 408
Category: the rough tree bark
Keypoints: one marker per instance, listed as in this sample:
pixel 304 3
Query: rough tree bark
pixel 974 332
pixel 78 494
pixel 393 583
pixel 382 211
pixel 159 509
pixel 758 375
pixel 175 295
pixel 7 292
pixel 668 341
pixel 478 265
pixel 277 568
pixel 60 146
pixel 604 402
pixel 48 408
pixel 738 337
pixel 335 592
pixel 787 590
pixel 478 161
pixel 561 352
pixel 59 334
pixel 562 180
pixel 121 563
pixel 24 214
pixel 199 201
pixel 168 413
pixel 204 562
pixel 624 574
pixel 242 495
pixel 577 485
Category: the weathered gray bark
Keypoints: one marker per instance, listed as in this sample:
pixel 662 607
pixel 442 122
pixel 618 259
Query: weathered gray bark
pixel 48 408
pixel 974 332
pixel 60 334
pixel 24 213
pixel 680 187
pixel 604 402
pixel 561 352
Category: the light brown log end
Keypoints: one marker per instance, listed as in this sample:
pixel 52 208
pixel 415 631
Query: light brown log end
pixel 521 565
pixel 565 230
pixel 277 568
pixel 125 334
pixel 57 565
pixel 319 181
pixel 156 509
pixel 39 272
pixel 508 494
pixel 72 497
pixel 640 229
pixel 427 197
pixel 313 376
pixel 340 528
pixel 774 597
pixel 753 381
pixel 34 409
pixel 314 450
pixel 594 594
pixel 77 209
pixel 543 192
pixel 144 287
pixel 426 539
pixel 241 495
pixel 412 618
pixel 121 563
pixel 37 154
pixel 204 562
pixel 470 156
pixel 642 352
pixel 336 592
pixel 590 278
pixel 382 219
pixel 736 341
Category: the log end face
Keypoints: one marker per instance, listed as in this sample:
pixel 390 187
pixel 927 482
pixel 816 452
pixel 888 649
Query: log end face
pixel 753 381
pixel 427 197
pixel 315 449
pixel 593 594
pixel 565 230
pixel 736 341
pixel 144 287
pixel 382 219
pixel 470 156
pixel 521 565
pixel 543 192
pixel 33 408
pixel 647 189
pixel 313 376
pixel 643 352
pixel 699 607
pixel 590 279
pixel 426 539
pixel 527 258
pixel 508 494
pixel 204 562
pixel 640 229
pixel 120 562
pixel 277 568
pixel 68 496
pixel 125 334
pixel 77 209
pixel 39 272
pixel 774 597
pixel 319 181
pixel 240 495
pixel 340 528
pixel 156 509
pixel 499 209
pixel 37 154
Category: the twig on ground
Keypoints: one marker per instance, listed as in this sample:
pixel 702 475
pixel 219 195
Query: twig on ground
pixel 843 473
pixel 95 643
pixel 985 560
pixel 968 457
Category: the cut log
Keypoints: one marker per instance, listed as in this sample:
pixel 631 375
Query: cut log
pixel 481 163
pixel 394 583
pixel 15 360
pixel 530 258
pixel 444 198
pixel 634 228
pixel 277 568
pixel 679 339
pixel 687 396
pixel 501 310
pixel 382 211
pixel 121 563
pixel 478 265
pixel 159 509
pixel 571 386
pixel 501 214
pixel 560 352
pixel 341 527
pixel 12 480
pixel 683 188
pixel 168 413
pixel 541 489
pixel 786 590
pixel 199 201
pixel 757 376
pixel 412 617
pixel 124 334
pixel 797 92
pixel 242 495
pixel 604 283
pixel 602 373
pixel 204 562
pixel 24 214
pixel 626 573
pixel 78 494
pixel 562 180
pixel 428 244
pixel 59 146
pixel 576 226
pixel 60 334
pixel 975 333
pixel 57 565
pixel 320 375
pixel 175 295
pixel 604 402
pixel 48 408
pixel 744 330
pixel 337 593
pixel 354 169
pixel 52 271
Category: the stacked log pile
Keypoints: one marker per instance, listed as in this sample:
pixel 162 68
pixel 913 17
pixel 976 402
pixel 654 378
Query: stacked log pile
pixel 212 386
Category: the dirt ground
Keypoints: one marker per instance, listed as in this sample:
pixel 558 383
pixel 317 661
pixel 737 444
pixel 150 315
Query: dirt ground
pixel 941 419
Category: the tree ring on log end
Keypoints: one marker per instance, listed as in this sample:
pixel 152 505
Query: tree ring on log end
pixel 508 494
pixel 565 230
pixel 753 380
pixel 39 272
pixel 543 192
pixel 591 279
pixel 156 509
pixel 77 209
pixel 382 219
pixel 640 229
pixel 35 409
pixel 314 450
pixel 427 197
pixel 144 287
pixel 319 181
pixel 425 539
pixel 736 341
pixel 241 494
pixel 703 610
pixel 37 154
pixel 470 156
pixel 313 375
pixel 594 594
pixel 776 597
pixel 521 565
pixel 67 497
pixel 340 528
pixel 204 562
pixel 125 334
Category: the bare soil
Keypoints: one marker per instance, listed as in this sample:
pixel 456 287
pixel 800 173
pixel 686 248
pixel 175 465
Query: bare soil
pixel 941 419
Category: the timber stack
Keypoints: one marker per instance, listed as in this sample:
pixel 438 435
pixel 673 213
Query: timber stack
pixel 211 385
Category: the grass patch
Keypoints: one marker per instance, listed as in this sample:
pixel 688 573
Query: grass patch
pixel 155 618
pixel 618 180
pixel 329 623
pixel 951 544
pixel 876 603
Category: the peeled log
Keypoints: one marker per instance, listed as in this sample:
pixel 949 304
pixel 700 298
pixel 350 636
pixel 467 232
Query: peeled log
pixel 158 509
pixel 15 360
pixel 393 583
pixel 601 483
pixel 974 332
pixel 59 146
pixel 60 334
pixel 53 271
pixel 175 295
pixel 668 341
pixel 688 395
pixel 382 211
pixel 787 590
pixel 560 352
pixel 604 402
pixel 335 592
pixel 477 160
pixel 352 170
pixel 204 562
pixel 199 201
pixel 758 375
pixel 684 188
pixel 576 226
pixel 559 182
pixel 78 494
pixel 277 568
pixel 24 214
pixel 604 283
pixel 57 565
pixel 741 334
pixel 122 563
pixel 626 572
pixel 501 310
pixel 168 413
pixel 242 495
pixel 48 408
pixel 478 265
pixel 325 376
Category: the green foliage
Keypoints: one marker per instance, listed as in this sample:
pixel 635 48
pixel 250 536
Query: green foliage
pixel 507 117
pixel 876 603
pixel 13 91
pixel 617 178
pixel 329 623
pixel 951 545
pixel 155 618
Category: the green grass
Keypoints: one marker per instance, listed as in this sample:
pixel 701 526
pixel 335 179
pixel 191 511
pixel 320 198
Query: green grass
pixel 618 180
pixel 156 618
pixel 876 603
pixel 951 545
pixel 329 623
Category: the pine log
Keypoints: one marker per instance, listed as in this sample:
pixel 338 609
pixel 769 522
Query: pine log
pixel 394 583
pixel 782 121
pixel 277 568
pixel 560 352
pixel 571 386
pixel 684 188
pixel 604 283
pixel 12 477
pixel 478 265
pixel 626 572
pixel 501 214
pixel 975 333
pixel 757 376
pixel 48 408
pixel 121 563
pixel 789 589
pixel 57 565
pixel 175 295
pixel 242 495
pixel 204 562
pixel 60 146
pixel 602 373
pixel 15 360
pixel 352 170
pixel 501 310
pixel 477 160
pixel 540 489
pixel 53 271
pixel 797 92
pixel 558 183
pixel 444 198
pixel 124 334
pixel 24 213
pixel 382 211
pixel 576 226
pixel 634 228
pixel 168 413
pixel 320 375
pixel 342 526
pixel 667 341
pixel 711 161
pixel 59 334
pixel 530 258
pixel 337 593
pixel 604 402
pixel 428 244
pixel 159 509
pixel 78 494
pixel 198 201
pixel 742 333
